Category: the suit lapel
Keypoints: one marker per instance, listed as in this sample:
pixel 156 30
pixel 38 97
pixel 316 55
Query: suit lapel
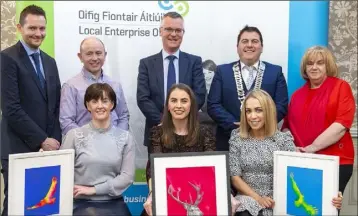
pixel 28 64
pixel 183 66
pixel 159 72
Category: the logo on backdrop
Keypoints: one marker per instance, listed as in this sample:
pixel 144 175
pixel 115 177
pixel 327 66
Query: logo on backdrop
pixel 182 7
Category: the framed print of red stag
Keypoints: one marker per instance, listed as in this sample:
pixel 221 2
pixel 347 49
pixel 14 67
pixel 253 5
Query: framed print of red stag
pixel 195 183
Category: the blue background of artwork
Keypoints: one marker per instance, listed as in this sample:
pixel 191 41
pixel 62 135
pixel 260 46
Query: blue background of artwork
pixel 37 184
pixel 309 181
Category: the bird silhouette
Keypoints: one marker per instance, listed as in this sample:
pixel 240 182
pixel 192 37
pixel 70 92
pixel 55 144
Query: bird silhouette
pixel 300 201
pixel 48 199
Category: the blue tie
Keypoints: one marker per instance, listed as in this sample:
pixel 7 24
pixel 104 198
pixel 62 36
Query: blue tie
pixel 36 58
pixel 171 72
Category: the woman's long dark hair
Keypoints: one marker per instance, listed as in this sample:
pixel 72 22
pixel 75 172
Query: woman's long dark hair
pixel 167 122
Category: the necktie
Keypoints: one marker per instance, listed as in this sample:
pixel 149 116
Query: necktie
pixel 36 58
pixel 171 80
pixel 250 80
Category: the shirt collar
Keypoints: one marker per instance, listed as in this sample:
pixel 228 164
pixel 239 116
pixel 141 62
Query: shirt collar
pixel 90 76
pixel 165 54
pixel 256 65
pixel 28 49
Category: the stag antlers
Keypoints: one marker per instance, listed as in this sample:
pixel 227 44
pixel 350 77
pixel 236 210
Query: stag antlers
pixel 199 195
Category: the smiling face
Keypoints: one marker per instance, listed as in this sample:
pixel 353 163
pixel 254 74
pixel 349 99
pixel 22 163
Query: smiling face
pixel 249 48
pixel 255 115
pixel 179 104
pixel 100 109
pixel 92 55
pixel 172 31
pixel 33 30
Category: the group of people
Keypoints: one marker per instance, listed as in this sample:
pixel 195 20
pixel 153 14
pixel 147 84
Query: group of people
pixel 246 100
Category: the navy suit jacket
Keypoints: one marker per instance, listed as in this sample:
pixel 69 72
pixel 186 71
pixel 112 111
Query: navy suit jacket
pixel 150 85
pixel 224 106
pixel 29 113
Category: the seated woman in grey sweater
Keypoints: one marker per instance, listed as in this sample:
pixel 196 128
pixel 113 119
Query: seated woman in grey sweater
pixel 104 157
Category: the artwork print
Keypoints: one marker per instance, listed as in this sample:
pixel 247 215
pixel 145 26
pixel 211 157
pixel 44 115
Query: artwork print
pixel 42 190
pixel 191 191
pixel 304 191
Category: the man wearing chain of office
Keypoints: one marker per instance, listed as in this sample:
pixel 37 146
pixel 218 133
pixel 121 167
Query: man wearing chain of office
pixel 233 81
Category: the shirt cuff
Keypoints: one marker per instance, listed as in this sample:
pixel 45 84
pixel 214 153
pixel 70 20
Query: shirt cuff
pixel 102 189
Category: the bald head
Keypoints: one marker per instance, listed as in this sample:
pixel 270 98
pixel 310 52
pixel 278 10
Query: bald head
pixel 92 54
pixel 91 41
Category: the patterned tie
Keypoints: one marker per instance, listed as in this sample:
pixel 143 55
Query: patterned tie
pixel 36 58
pixel 250 80
pixel 171 72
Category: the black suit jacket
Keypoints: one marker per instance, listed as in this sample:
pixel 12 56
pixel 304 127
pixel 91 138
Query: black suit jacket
pixel 30 114
pixel 150 85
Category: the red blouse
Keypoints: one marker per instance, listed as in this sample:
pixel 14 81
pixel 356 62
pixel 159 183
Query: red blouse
pixel 312 111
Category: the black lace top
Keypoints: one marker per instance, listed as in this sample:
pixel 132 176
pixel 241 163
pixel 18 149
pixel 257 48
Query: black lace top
pixel 206 143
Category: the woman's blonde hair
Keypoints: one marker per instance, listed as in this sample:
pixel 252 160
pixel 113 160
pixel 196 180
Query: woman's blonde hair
pixel 328 58
pixel 269 110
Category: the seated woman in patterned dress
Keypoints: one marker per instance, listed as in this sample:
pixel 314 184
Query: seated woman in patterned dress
pixel 104 157
pixel 179 131
pixel 251 155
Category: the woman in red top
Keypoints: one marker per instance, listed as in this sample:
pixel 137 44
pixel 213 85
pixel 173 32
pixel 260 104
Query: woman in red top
pixel 321 112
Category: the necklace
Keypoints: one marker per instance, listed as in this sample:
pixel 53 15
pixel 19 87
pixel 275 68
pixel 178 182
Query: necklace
pixel 239 82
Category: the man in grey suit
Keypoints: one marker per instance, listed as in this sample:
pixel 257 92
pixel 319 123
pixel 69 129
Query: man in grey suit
pixel 157 73
pixel 30 94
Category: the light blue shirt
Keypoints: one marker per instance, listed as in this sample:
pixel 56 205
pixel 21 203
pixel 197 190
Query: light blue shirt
pixel 31 51
pixel 165 67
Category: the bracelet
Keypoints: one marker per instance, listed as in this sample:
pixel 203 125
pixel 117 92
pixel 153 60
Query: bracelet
pixel 150 192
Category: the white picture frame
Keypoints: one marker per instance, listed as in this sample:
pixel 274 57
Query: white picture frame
pixel 193 174
pixel 30 174
pixel 317 179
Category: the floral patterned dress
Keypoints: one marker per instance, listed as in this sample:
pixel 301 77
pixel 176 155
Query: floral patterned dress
pixel 252 160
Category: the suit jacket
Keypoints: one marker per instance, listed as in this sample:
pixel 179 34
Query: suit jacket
pixel 150 86
pixel 224 105
pixel 30 114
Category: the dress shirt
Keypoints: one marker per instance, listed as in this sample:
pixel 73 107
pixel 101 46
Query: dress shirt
pixel 165 67
pixel 245 72
pixel 74 114
pixel 31 51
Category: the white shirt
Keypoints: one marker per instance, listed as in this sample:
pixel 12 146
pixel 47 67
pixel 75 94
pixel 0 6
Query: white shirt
pixel 245 72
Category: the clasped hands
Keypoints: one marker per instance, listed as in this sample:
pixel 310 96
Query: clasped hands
pixel 50 144
pixel 83 190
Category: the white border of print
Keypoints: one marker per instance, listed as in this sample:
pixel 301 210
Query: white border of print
pixel 328 164
pixel 161 161
pixel 19 162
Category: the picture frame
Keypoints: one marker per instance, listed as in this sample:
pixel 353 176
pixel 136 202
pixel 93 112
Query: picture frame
pixel 41 183
pixel 305 183
pixel 191 183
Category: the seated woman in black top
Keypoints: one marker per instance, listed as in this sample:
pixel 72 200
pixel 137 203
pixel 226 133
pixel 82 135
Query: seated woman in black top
pixel 180 130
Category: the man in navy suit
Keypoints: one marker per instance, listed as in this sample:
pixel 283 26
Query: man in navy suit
pixel 30 93
pixel 232 81
pixel 157 73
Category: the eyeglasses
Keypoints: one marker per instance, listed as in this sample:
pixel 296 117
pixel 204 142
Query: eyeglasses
pixel 177 31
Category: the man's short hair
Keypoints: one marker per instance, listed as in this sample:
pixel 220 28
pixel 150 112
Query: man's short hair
pixel 31 9
pixel 173 15
pixel 250 29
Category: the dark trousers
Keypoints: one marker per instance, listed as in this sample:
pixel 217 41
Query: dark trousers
pixel 246 213
pixel 345 174
pixel 108 207
pixel 5 173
